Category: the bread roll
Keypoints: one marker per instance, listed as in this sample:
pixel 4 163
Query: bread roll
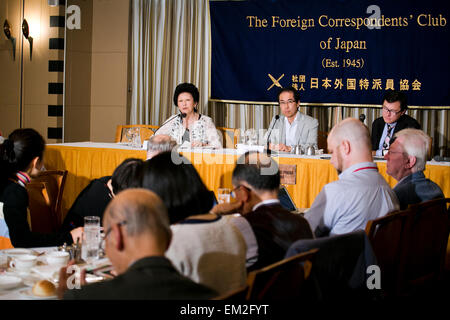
pixel 44 288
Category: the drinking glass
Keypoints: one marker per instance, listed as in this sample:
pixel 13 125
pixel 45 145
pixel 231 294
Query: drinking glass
pixel 223 195
pixel 91 237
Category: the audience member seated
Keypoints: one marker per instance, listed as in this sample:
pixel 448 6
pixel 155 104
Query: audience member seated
pixel 205 247
pixel 406 160
pixel 21 159
pixel 393 120
pixel 137 235
pixel 293 127
pixel 189 127
pixel 361 193
pixel 92 201
pixel 256 181
pixel 159 143
pixel 340 269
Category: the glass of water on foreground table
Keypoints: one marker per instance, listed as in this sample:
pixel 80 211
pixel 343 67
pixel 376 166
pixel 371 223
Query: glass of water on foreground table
pixel 91 239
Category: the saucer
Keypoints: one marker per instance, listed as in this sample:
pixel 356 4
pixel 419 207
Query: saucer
pixel 28 293
pixel 9 282
pixel 16 252
pixel 19 272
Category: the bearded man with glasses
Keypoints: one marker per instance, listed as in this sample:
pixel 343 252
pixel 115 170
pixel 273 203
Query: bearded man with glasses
pixel 393 120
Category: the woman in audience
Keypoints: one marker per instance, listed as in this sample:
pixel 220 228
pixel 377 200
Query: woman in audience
pixel 21 158
pixel 205 247
pixel 190 127
pixel 92 201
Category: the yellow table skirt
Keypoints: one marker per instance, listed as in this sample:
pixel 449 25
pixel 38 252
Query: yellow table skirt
pixel 84 164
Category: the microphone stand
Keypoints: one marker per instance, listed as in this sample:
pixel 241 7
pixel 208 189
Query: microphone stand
pixel 182 115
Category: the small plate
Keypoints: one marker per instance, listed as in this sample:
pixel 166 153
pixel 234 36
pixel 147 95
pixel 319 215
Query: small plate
pixel 9 282
pixel 17 252
pixel 20 273
pixel 28 293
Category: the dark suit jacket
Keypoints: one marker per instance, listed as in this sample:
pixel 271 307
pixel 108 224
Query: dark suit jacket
pixel 151 278
pixel 275 230
pixel 403 122
pixel 415 188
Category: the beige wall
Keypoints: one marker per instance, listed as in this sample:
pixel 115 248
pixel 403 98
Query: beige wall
pixel 10 68
pixel 77 110
pixel 96 77
pixel 24 97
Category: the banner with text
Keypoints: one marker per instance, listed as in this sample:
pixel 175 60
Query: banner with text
pixel 332 51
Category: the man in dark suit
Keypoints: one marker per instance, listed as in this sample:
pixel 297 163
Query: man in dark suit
pixel 136 237
pixel 406 162
pixel 393 120
pixel 256 181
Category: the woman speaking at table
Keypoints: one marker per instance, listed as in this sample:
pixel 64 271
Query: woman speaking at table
pixel 21 158
pixel 190 127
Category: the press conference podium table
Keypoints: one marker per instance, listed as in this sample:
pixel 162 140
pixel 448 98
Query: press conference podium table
pixel 85 161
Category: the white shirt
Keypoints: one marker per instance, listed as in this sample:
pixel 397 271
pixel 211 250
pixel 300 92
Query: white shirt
pixel 265 202
pixel 361 194
pixel 290 130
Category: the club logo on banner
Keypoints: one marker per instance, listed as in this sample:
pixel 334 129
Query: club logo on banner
pixel 332 52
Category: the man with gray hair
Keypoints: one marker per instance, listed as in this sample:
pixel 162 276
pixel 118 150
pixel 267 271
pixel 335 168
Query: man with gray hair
pixel 361 193
pixel 137 234
pixel 406 161
pixel 158 144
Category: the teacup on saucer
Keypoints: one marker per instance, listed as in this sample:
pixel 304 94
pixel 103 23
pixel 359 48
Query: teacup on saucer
pixel 23 263
pixel 57 258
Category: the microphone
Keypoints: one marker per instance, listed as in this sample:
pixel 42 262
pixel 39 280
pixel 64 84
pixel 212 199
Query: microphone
pixel 268 136
pixel 181 115
pixel 441 159
pixel 362 117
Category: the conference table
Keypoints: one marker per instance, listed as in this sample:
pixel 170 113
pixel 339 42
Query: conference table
pixel 85 161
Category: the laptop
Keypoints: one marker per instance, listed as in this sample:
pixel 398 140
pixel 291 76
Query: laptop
pixel 286 200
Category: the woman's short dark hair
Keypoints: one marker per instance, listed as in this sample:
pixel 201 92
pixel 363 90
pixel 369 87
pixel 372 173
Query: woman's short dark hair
pixel 127 175
pixel 186 87
pixel 17 152
pixel 178 185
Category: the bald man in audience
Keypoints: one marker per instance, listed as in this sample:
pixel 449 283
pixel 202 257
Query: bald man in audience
pixel 137 234
pixel 406 160
pixel 361 193
pixel 158 144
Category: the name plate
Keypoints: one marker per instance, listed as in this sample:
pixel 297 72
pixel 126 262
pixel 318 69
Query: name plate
pixel 288 173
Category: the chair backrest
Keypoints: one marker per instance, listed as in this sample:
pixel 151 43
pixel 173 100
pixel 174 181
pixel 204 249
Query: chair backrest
pixel 425 244
pixel 281 280
pixel 385 236
pixel 234 295
pixel 145 131
pixel 322 137
pixel 55 181
pixel 41 211
pixel 339 269
pixel 229 137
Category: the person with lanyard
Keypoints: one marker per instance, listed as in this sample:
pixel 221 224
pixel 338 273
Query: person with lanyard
pixel 21 158
pixel 361 193
pixel 393 120
pixel 189 127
